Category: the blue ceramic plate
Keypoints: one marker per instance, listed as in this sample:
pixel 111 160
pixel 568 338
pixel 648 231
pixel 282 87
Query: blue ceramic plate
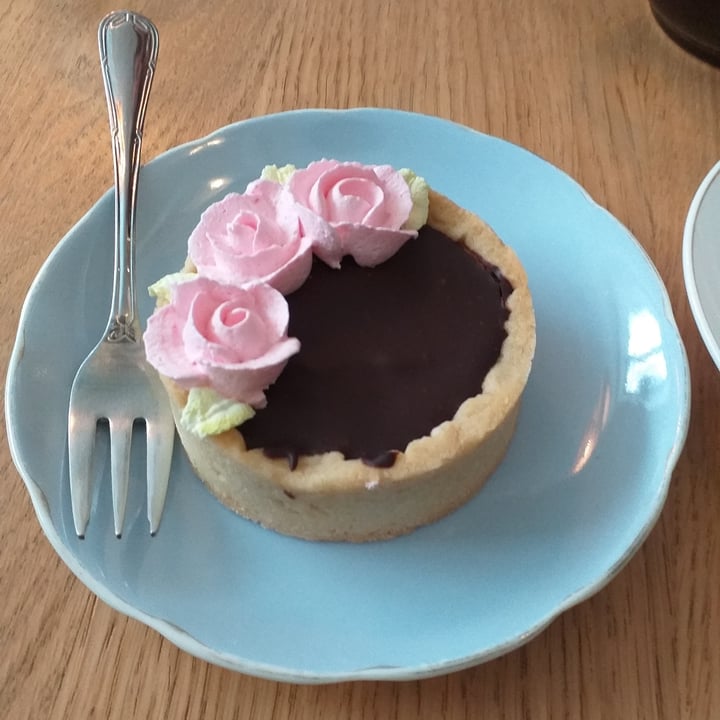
pixel 603 422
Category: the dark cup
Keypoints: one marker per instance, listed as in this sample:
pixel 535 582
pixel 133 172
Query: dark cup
pixel 692 24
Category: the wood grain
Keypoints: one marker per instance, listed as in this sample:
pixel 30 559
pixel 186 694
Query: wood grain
pixel 596 89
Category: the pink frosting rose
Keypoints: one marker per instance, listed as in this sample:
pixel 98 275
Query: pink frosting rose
pixel 352 209
pixel 253 237
pixel 226 337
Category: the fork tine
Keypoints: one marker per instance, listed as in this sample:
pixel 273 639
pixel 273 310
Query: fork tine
pixel 160 439
pixel 120 440
pixel 81 442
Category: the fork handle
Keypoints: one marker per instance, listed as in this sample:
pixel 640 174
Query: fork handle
pixel 128 45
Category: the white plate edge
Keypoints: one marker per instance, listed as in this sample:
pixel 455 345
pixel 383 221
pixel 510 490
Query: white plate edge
pixel 711 342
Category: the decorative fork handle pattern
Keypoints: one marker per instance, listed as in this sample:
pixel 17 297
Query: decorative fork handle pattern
pixel 128 45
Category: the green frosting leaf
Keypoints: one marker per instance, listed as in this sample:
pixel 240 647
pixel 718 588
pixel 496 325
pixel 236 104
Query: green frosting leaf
pixel 161 289
pixel 276 174
pixel 419 194
pixel 207 413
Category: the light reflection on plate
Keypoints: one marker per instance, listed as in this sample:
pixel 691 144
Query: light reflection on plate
pixel 603 421
pixel 701 260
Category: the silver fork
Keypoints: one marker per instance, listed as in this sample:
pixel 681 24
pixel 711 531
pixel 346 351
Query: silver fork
pixel 115 382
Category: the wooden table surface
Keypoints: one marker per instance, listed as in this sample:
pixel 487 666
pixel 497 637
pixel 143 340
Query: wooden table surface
pixel 595 88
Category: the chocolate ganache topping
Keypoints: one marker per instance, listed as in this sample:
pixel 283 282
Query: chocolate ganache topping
pixel 387 353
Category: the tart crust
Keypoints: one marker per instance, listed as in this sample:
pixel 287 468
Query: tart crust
pixel 327 497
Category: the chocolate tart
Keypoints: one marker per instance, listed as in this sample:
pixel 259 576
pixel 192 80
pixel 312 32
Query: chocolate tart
pixel 386 491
